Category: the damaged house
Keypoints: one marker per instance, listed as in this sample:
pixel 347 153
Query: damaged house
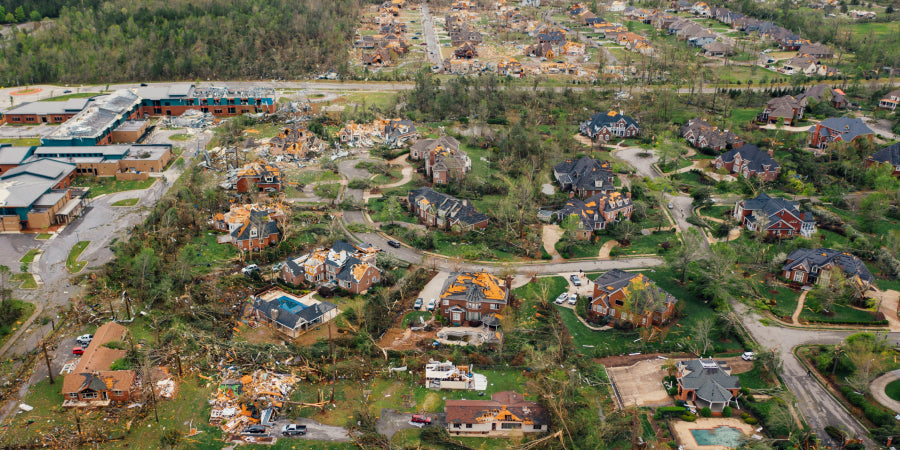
pixel 250 226
pixel 445 212
pixel 92 383
pixel 345 265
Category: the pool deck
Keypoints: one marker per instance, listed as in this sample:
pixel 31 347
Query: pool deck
pixel 684 437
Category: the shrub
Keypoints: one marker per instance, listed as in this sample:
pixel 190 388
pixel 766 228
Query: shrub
pixel 835 433
pixel 745 415
pixel 689 417
pixel 751 420
pixel 668 412
pixel 706 412
pixel 726 412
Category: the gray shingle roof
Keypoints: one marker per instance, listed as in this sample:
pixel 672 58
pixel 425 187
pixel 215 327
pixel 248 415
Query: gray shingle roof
pixel 849 263
pixel 757 158
pixel 455 209
pixel 890 154
pixel 585 173
pixel 849 128
pixel 290 319
pixel 710 382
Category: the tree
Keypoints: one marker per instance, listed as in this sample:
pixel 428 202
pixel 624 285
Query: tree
pixel 10 18
pixel 20 14
pixel 701 336
pixel 5 290
pixel 35 16
pixel 623 231
pixel 642 298
pixel 392 208
pixel 689 252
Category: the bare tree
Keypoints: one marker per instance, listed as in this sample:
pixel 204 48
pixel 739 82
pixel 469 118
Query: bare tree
pixel 701 336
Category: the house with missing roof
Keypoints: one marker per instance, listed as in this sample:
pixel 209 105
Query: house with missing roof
pixel 837 129
pixel 706 383
pixel 749 161
pixel 444 211
pixel 38 194
pixel 92 383
pixel 250 226
pixel 447 376
pixel 889 155
pixel 254 176
pixel 605 125
pixel 506 414
pixel 444 161
pixel 611 292
pixel 93 125
pixel 468 298
pixel 597 212
pixel 780 217
pixel 812 266
pixel 352 268
pixel 289 315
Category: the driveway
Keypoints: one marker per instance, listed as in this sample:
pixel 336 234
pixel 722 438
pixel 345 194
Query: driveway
pixel 432 289
pixel 643 165
pixel 391 421
pixel 314 431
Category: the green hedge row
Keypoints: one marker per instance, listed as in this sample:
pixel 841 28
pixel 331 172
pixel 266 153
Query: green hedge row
pixel 874 413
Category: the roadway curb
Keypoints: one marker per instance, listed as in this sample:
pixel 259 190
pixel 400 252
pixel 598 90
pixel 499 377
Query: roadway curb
pixel 25 326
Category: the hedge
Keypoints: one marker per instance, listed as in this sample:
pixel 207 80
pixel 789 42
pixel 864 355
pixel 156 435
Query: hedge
pixel 874 413
pixel 668 412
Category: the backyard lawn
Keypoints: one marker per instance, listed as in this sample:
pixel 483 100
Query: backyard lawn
pixel 893 390
pixel 26 280
pixel 211 255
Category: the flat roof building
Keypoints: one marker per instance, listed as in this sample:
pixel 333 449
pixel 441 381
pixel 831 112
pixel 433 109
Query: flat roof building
pixel 174 100
pixel 36 195
pixel 52 112
pixel 93 125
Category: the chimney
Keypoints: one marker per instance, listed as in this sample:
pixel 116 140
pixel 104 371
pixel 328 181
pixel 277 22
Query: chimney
pixel 771 153
pixel 273 314
pixel 628 195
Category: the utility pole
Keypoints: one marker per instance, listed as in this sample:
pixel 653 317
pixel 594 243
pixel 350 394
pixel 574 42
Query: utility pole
pixel 47 359
pixel 333 363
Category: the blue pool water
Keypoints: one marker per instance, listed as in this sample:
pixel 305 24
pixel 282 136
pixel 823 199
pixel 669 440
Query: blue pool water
pixel 720 436
pixel 289 304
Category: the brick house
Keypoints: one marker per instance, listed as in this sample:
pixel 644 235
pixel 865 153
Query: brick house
pixel 256 176
pixel 584 177
pixel 838 129
pixel 706 383
pixel 811 266
pixel 345 265
pixel 288 314
pixel 611 290
pixel 444 161
pixel 606 125
pixel 468 297
pixel 889 155
pixel 506 414
pixel 92 383
pixel 781 217
pixel 443 211
pixel 597 211
pixel 824 93
pixel 249 227
pixel 749 161
pixel 786 109
pixel 702 135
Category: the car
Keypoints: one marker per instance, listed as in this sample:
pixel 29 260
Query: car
pixel 562 298
pixel 394 244
pixel 421 419
pixel 255 429
pixel 293 429
pixel 749 355
pixel 573 299
pixel 250 269
pixel 575 280
pixel 143 85
pixel 670 206
pixel 418 304
pixel 84 339
pixel 67 91
pixel 271 190
pixel 78 350
pixel 277 266
pixel 431 304
pixel 415 37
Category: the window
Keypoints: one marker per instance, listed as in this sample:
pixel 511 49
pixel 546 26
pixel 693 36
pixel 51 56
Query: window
pixel 511 426
pixel 468 426
pixel 457 425
pixel 118 393
pixel 446 302
pixel 493 306
pixel 89 395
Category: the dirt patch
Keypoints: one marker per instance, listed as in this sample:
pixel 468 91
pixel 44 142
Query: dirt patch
pixel 640 384
pixel 738 365
pixel 583 139
pixel 432 400
pixel 397 339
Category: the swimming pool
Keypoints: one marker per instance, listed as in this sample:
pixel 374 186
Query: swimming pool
pixel 719 436
pixel 290 304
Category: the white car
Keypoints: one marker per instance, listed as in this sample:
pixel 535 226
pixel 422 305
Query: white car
pixel 85 339
pixel 573 299
pixel 431 304
pixel 562 298
pixel 749 355
pixel 250 269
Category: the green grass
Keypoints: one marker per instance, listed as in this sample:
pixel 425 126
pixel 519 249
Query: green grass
pixel 785 300
pixel 717 211
pixel 887 284
pixel 329 191
pixel 109 185
pixel 580 249
pixel 43 236
pixel 378 214
pixel 26 280
pixel 877 28
pixel 413 317
pixel 649 244
pixel 22 142
pixel 753 379
pixel 74 95
pixel 382 179
pixel 181 137
pixel 72 263
pixel 126 202
pixel 531 292
pixel 893 390
pixel 743 115
pixel 842 314
pixel 6 330
pixel 211 253
pixel 307 177
pixel 29 256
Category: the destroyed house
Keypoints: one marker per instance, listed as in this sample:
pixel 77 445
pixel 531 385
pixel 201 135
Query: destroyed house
pixel 597 212
pixel 398 131
pixel 290 315
pixel 467 298
pixel 92 383
pixel 648 306
pixel 779 217
pixel 584 177
pixel 812 266
pixel 256 176
pixel 297 141
pixel 350 267
pixel 249 227
pixel 506 414
pixel 706 383
pixel 443 211
pixel 447 376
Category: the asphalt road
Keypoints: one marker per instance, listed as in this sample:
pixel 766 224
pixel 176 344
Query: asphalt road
pixel 434 51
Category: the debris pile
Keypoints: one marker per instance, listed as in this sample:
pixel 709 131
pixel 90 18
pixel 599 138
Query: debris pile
pixel 249 399
pixel 190 119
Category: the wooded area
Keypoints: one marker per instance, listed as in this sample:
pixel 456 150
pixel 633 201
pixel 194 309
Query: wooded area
pixel 179 39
